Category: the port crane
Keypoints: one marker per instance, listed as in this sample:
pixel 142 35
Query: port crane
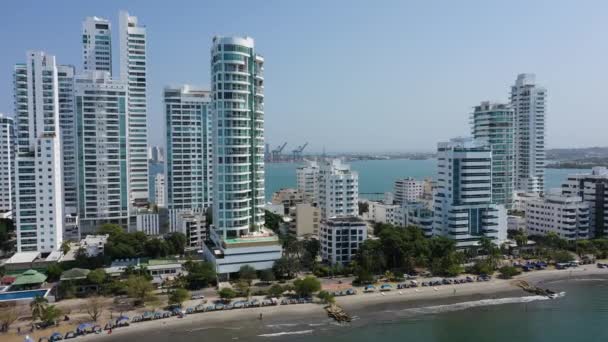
pixel 276 153
pixel 297 153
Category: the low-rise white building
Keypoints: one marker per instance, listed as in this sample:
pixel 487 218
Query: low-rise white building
pixel 566 216
pixel 94 245
pixel 407 190
pixel 381 212
pixel 414 214
pixel 307 220
pixel 341 237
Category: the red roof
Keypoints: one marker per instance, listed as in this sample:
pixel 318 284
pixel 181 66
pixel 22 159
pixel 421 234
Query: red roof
pixel 7 280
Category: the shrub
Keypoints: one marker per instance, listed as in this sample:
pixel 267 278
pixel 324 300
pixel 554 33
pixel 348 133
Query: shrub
pixel 508 272
pixel 307 286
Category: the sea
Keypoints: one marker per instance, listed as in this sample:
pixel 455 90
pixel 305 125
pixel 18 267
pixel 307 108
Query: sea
pixel 375 176
pixel 378 176
pixel 580 314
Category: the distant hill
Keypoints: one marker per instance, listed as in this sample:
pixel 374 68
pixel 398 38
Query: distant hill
pixel 585 154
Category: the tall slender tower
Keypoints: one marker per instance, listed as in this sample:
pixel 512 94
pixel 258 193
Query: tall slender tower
pixel 133 72
pixel 492 123
pixel 101 150
pixel 239 236
pixel 97 44
pixel 188 131
pixel 7 163
pixel 67 123
pixel 528 101
pixel 39 187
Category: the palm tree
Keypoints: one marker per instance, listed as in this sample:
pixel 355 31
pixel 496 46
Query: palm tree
pixel 65 247
pixel 38 307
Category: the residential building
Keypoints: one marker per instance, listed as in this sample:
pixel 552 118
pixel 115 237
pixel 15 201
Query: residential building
pixel 528 101
pixel 160 190
pixel 288 198
pixel 593 189
pixel 67 124
pixel 156 154
pixel 7 164
pixel 189 173
pixel 148 222
pixel 133 72
pixel 566 216
pixel 71 227
pixel 93 245
pixel 97 44
pixel 341 237
pixel 308 180
pixel 239 236
pixel 407 190
pixel 338 193
pixel 414 214
pixel 492 123
pixel 39 207
pixel 381 212
pixel 307 220
pixel 463 208
pixel 194 226
pixel 102 154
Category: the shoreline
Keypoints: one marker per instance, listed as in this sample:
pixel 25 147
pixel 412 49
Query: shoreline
pixel 362 306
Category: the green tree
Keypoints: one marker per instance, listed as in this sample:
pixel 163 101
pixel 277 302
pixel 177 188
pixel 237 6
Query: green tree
pixel 176 242
pixel 562 256
pixel 97 276
pixel 244 289
pixel 326 297
pixel 200 274
pixel 272 221
pixel 247 273
pixel 38 306
pixel 226 293
pixel 285 267
pixel 178 296
pixel 508 272
pixel 491 250
pixel 53 272
pixel 138 288
pixel 363 207
pixel 65 247
pixel 267 275
pixel 307 286
pixel 51 314
pixel 276 290
pixel 157 248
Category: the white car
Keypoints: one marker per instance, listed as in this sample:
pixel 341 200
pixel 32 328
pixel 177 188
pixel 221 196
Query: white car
pixel 194 297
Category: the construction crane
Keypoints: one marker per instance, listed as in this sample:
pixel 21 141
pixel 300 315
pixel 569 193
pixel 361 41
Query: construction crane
pixel 276 153
pixel 297 153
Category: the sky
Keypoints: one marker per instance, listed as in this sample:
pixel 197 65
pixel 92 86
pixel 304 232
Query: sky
pixel 355 76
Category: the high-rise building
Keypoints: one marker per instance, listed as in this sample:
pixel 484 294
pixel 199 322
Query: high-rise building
pixel 463 208
pixel 338 193
pixel 566 216
pixel 67 123
pixel 239 236
pixel 156 154
pixel 340 238
pixel 189 149
pixel 528 101
pixel 97 44
pixel 492 123
pixel 308 180
pixel 407 190
pixel 593 189
pixel 7 164
pixel 160 190
pixel 39 207
pixel 100 105
pixel 133 72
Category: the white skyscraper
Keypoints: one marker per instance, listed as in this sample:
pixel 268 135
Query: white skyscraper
pixel 308 180
pixel 67 122
pixel 102 155
pixel 528 101
pixel 133 71
pixel 237 79
pixel 97 44
pixel 39 186
pixel 338 189
pixel 492 123
pixel 407 190
pixel 463 208
pixel 7 164
pixel 188 132
pixel 160 190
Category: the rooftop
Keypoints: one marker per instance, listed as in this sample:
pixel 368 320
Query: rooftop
pixel 23 257
pixel 30 277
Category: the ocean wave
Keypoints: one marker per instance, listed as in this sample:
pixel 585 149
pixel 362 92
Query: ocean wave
pixel 279 325
pixel 283 333
pixel 474 304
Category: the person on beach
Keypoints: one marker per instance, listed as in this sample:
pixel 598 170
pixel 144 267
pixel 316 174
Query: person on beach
pixel 260 316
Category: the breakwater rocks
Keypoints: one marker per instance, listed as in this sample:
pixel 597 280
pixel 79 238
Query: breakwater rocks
pixel 337 313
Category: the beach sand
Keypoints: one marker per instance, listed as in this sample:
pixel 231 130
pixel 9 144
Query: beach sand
pixel 360 305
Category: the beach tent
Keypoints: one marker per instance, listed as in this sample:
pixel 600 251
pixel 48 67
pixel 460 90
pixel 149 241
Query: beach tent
pixel 84 327
pixel 55 337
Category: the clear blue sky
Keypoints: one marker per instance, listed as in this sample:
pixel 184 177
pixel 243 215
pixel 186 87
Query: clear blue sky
pixel 356 75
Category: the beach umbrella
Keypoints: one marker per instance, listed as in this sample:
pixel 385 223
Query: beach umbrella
pixel 122 318
pixel 84 326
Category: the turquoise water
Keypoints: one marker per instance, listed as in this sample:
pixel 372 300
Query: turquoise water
pixel 7 296
pixel 378 175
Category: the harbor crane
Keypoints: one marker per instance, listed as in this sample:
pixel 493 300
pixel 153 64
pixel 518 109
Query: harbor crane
pixel 297 153
pixel 276 153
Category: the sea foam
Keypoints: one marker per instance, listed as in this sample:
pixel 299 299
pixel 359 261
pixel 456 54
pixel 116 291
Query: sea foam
pixel 283 333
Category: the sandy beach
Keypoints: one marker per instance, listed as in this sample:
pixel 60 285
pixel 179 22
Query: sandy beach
pixel 360 305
